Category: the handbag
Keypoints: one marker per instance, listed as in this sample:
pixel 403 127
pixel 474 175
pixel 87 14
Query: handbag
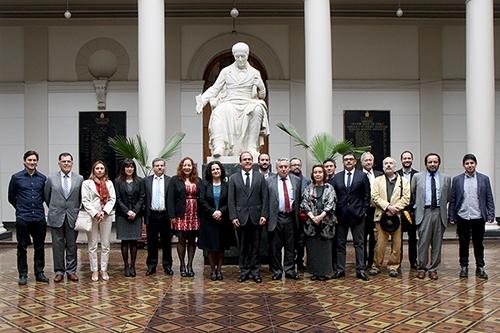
pixel 83 221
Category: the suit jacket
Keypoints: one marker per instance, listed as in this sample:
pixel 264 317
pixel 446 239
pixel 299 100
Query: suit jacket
pixel 352 203
pixel 130 200
pixel 176 199
pixel 400 196
pixel 484 194
pixel 248 203
pixel 91 200
pixel 206 200
pixel 61 207
pixel 418 194
pixel 272 185
pixel 148 185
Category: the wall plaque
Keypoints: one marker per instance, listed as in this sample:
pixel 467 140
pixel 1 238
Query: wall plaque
pixel 94 130
pixel 369 127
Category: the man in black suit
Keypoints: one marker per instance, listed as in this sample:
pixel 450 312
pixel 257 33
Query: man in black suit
pixel 408 223
pixel 284 201
pixel 296 169
pixel 353 199
pixel 248 210
pixel 156 218
pixel 367 159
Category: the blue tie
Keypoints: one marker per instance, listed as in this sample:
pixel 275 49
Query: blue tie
pixel 348 180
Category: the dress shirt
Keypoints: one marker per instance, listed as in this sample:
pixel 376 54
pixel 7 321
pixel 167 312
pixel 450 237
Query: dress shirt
pixel 69 179
pixel 26 195
pixel 428 194
pixel 243 174
pixel 370 175
pixel 162 192
pixel 345 176
pixel 407 174
pixel 281 193
pixel 470 206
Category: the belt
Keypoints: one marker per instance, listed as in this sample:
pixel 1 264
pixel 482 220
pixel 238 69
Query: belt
pixel 158 211
pixel 429 207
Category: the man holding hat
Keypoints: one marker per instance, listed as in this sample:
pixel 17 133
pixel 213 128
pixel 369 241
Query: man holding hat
pixel 390 194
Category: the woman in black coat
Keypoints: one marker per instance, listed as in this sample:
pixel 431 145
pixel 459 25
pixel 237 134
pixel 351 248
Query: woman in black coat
pixel 130 196
pixel 216 232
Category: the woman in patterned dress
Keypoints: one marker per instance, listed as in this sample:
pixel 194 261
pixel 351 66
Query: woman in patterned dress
pixel 183 212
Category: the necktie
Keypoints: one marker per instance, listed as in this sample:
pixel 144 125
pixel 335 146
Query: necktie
pixel 66 186
pixel 247 179
pixel 349 179
pixel 433 192
pixel 287 198
pixel 156 197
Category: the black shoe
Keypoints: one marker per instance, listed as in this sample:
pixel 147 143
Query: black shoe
pixel 393 273
pixel 220 277
pixel 23 280
pixel 292 275
pixel 338 275
pixel 243 278
pixel 276 277
pixel 257 279
pixel 314 278
pixel 40 277
pixel 322 278
pixel 183 272
pixel 132 271
pixel 151 270
pixel 213 276
pixel 168 270
pixel 126 271
pixel 464 272
pixel 362 275
pixel 481 273
pixel 190 272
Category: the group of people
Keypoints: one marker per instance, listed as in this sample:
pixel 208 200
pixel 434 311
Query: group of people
pixel 300 214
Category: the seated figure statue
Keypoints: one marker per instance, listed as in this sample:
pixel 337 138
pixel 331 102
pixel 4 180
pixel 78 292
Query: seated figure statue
pixel 239 113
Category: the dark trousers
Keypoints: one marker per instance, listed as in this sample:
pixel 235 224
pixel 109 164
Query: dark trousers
pixel 159 224
pixel 466 228
pixel 369 237
pixel 25 232
pixel 282 237
pixel 299 244
pixel 411 231
pixel 64 248
pixel 249 244
pixel 357 230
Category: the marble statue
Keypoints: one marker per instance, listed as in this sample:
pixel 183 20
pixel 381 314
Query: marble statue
pixel 239 113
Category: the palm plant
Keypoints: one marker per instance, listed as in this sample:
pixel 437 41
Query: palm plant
pixel 136 148
pixel 322 145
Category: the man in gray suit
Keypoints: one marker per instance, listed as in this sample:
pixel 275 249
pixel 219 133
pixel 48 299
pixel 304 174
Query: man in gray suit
pixel 284 202
pixel 430 191
pixel 63 197
pixel 248 211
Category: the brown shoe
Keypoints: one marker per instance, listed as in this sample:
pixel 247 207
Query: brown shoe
pixel 73 277
pixel 421 275
pixel 433 275
pixel 58 278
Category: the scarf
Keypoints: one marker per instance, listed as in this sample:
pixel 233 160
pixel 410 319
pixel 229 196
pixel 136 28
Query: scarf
pixel 103 191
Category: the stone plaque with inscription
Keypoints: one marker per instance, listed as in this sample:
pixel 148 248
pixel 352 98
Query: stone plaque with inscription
pixel 94 130
pixel 370 128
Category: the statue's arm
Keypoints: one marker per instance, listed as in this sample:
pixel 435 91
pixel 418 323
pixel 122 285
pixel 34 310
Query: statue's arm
pixel 261 88
pixel 213 91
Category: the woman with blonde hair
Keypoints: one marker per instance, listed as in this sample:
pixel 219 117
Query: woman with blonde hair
pixel 98 199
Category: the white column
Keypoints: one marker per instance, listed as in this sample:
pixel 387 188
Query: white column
pixel 318 60
pixel 480 84
pixel 152 118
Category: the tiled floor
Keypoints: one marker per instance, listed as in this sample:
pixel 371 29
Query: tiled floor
pixel 160 303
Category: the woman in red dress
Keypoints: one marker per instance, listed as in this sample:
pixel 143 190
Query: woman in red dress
pixel 183 212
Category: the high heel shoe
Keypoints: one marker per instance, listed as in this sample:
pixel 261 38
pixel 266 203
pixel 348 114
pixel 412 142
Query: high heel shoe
pixel 95 276
pixel 132 271
pixel 220 277
pixel 213 276
pixel 183 272
pixel 126 271
pixel 105 275
pixel 190 272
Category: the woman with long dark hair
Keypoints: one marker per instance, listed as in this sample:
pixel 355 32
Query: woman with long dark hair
pixel 183 212
pixel 98 199
pixel 130 196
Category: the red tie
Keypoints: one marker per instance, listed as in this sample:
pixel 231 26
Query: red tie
pixel 287 198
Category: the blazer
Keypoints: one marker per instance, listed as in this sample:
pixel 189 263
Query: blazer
pixel 248 203
pixel 484 194
pixel 400 195
pixel 272 185
pixel 148 186
pixel 176 199
pixel 418 194
pixel 130 200
pixel 352 203
pixel 61 207
pixel 91 200
pixel 206 200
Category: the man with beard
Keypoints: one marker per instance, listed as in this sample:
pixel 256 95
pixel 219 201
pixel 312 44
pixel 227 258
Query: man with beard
pixel 264 161
pixel 431 191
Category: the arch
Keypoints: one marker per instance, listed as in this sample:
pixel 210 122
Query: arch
pixel 97 44
pixel 222 43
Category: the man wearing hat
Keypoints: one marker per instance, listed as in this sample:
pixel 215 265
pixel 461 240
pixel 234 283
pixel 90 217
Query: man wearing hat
pixel 390 194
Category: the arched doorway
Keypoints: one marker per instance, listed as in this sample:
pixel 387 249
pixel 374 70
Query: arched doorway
pixel 210 75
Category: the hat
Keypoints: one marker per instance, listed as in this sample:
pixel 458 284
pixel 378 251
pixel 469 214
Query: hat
pixel 389 223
